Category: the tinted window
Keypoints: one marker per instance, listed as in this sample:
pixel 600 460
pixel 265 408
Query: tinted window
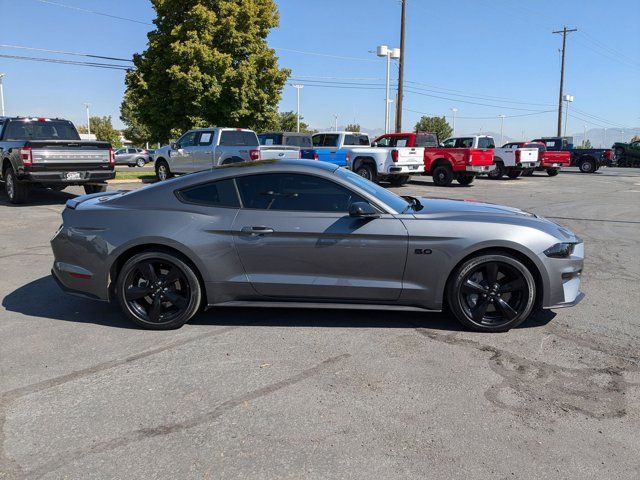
pixel 330 140
pixel 350 139
pixel 317 140
pixel 464 143
pixel 486 142
pixel 295 192
pixel 396 202
pixel 187 140
pixel 131 150
pixel 449 143
pixel 217 194
pixel 297 140
pixel 49 130
pixel 426 140
pixel 121 151
pixel 269 139
pixel 540 147
pixel 238 138
pixel 384 141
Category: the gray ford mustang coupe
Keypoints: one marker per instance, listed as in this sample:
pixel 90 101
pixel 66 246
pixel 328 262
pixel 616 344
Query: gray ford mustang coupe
pixel 309 233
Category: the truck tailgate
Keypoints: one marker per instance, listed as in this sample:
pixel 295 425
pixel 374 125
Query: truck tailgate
pixel 72 154
pixel 557 158
pixel 527 155
pixel 279 152
pixel 410 155
pixel 478 156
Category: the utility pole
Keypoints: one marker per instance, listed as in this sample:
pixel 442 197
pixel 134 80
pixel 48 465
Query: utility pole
pixel 604 139
pixel 501 129
pixel 584 138
pixel 1 95
pixel 401 69
pixel 86 106
pixel 298 88
pixel 454 110
pixel 335 119
pixel 564 33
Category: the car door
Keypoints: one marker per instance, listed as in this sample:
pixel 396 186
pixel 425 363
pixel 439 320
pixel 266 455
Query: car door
pixel 296 239
pixel 121 156
pixel 181 156
pixel 202 152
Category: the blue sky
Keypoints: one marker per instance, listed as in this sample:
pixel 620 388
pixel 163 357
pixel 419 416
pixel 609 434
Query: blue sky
pixel 493 52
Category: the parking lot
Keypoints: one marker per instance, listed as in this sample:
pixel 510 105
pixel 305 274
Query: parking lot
pixel 319 394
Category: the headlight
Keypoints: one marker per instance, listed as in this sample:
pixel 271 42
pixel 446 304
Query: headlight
pixel 560 250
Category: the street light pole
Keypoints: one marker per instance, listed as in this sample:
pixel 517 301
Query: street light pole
pixel 298 88
pixel 335 119
pixel 454 110
pixel 384 51
pixel 86 106
pixel 501 129
pixel 1 95
pixel 568 99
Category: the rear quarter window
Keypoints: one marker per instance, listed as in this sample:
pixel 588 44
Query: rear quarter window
pixel 486 142
pixel 426 140
pixel 216 194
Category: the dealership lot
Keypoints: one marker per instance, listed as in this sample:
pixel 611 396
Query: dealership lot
pixel 322 394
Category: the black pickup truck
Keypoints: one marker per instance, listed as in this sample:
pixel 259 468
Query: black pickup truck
pixel 48 152
pixel 588 160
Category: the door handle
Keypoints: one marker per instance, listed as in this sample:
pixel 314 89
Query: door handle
pixel 256 230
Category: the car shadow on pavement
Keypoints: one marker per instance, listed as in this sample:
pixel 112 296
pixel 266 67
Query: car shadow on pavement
pixel 38 196
pixel 43 298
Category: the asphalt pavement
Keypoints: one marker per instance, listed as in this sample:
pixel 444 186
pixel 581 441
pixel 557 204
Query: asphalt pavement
pixel 329 394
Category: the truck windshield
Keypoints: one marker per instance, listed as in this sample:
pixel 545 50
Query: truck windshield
pixel 41 130
pixel 397 203
pixel 486 142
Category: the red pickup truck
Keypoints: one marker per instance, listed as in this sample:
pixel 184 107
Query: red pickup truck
pixel 550 161
pixel 460 158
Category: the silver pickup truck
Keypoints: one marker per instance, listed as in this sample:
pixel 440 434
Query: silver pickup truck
pixel 48 152
pixel 204 148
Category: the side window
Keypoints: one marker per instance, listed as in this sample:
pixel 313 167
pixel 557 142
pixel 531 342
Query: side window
pixel 269 139
pixel 317 140
pixel 297 141
pixel 464 143
pixel 131 150
pixel 487 142
pixel 120 152
pixel 384 142
pixel 248 139
pixel 350 140
pixel 449 143
pixel 228 138
pixel 188 139
pixel 330 140
pixel 216 194
pixel 294 192
pixel 205 138
pixel 401 142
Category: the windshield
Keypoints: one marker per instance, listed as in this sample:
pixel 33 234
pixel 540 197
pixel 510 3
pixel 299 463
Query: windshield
pixel 397 203
pixel 41 130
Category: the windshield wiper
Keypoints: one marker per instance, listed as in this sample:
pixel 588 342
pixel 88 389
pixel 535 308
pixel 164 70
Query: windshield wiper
pixel 413 203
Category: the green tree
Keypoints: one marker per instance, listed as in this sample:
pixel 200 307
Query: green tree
pixel 102 128
pixel 287 122
pixel 207 63
pixel 135 131
pixel 437 125
pixel 636 138
pixel 585 144
pixel 353 127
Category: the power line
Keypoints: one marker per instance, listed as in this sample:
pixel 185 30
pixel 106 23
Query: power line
pixel 93 12
pixel 63 52
pixel 318 54
pixel 480 118
pixel 67 62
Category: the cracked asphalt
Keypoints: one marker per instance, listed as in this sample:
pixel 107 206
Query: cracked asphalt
pixel 318 394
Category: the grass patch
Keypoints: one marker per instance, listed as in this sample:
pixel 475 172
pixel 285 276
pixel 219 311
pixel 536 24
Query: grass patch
pixel 142 176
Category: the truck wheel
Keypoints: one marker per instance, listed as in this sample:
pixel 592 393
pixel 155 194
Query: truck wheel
pixel 17 191
pixel 513 173
pixel 552 172
pixel 527 172
pixel 366 171
pixel 162 171
pixel 399 180
pixel 442 176
pixel 89 189
pixel 498 172
pixel 465 179
pixel 587 166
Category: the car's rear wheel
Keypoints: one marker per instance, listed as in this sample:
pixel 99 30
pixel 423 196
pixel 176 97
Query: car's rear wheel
pixel 497 172
pixel 587 166
pixel 527 172
pixel 366 171
pixel 552 172
pixel 399 180
pixel 140 162
pixel 17 191
pixel 89 189
pixel 513 173
pixel 162 171
pixel 493 292
pixel 158 290
pixel 464 179
pixel 442 176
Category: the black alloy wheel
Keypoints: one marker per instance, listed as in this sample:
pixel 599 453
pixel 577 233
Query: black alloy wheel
pixel 464 179
pixel 442 176
pixel 552 172
pixel 158 290
pixel 497 172
pixel 366 171
pixel 492 293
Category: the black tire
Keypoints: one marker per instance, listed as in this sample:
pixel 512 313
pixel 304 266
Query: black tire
pixel 464 179
pixel 140 162
pixel 492 292
pixel 89 189
pixel 587 165
pixel 17 191
pixel 57 188
pixel 366 171
pixel 442 175
pixel 552 172
pixel 158 290
pixel 162 171
pixel 498 172
pixel 513 173
pixel 399 180
pixel 527 172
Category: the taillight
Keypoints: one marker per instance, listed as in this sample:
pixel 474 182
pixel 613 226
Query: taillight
pixel 299 154
pixel 254 154
pixel 26 156
pixel 608 154
pixel 517 155
pixel 112 157
pixel 394 155
pixel 315 156
pixel 347 157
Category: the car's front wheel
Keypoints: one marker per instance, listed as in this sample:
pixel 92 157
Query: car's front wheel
pixel 587 166
pixel 140 162
pixel 158 290
pixel 493 292
pixel 162 171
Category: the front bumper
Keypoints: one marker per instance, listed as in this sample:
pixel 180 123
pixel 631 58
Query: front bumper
pixel 405 169
pixel 479 168
pixel 562 285
pixel 64 177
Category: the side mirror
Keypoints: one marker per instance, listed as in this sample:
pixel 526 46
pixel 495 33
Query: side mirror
pixel 374 144
pixel 175 146
pixel 363 210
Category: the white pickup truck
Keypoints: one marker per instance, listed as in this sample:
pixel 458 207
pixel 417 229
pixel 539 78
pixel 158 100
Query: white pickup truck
pixel 377 163
pixel 512 158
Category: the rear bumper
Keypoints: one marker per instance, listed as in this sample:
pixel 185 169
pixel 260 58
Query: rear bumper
pixel 528 164
pixel 553 165
pixel 406 169
pixel 479 168
pixel 63 177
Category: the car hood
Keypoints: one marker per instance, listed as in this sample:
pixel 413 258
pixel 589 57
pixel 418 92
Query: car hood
pixel 472 210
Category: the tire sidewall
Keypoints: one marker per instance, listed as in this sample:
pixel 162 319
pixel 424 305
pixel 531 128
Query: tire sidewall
pixel 364 167
pixel 140 162
pixel 455 282
pixel 194 284
pixel 442 176
pixel 591 169
pixel 161 164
